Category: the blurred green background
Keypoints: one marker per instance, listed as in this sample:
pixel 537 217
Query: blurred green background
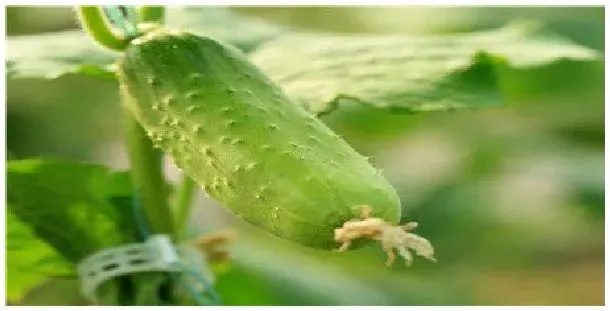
pixel 511 198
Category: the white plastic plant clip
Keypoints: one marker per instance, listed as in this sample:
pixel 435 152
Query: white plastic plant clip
pixel 156 254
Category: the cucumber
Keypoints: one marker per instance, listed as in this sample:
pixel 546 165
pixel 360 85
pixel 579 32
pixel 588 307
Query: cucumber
pixel 249 146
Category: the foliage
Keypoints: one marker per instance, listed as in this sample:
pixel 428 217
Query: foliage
pixel 399 73
pixel 66 210
pixel 409 73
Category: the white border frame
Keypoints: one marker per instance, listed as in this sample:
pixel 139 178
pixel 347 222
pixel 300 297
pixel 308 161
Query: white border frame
pixel 304 3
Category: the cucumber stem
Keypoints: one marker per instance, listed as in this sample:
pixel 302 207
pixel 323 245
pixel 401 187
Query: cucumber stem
pixel 147 176
pixel 94 23
pixel 151 14
pixel 147 173
pixel 182 205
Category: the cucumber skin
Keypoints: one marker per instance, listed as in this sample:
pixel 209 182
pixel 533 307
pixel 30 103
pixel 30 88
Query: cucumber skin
pixel 245 142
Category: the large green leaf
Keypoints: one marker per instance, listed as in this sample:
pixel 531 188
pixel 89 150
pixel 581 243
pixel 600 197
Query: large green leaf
pixel 62 212
pixel 244 32
pixel 29 260
pixel 418 73
pixel 70 206
pixel 51 55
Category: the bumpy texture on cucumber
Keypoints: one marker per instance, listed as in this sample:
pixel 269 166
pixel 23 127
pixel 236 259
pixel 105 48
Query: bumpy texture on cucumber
pixel 245 142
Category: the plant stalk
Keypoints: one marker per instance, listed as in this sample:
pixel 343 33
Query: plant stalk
pixel 146 168
pixel 184 197
pixel 147 176
pixel 144 159
pixel 93 22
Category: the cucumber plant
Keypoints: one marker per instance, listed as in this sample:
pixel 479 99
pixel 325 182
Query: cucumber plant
pixel 244 126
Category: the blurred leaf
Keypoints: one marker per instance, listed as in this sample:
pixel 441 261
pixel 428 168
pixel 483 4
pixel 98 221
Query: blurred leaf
pixel 59 291
pixel 29 260
pixel 69 205
pixel 408 74
pixel 218 22
pixel 51 55
pixel 77 209
pixel 284 273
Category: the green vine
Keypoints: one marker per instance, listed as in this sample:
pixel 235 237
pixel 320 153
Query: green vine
pixel 147 176
pixel 94 23
pixel 182 204
pixel 146 170
pixel 186 190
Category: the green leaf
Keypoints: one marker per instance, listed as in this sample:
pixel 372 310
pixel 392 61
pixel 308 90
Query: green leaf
pixel 60 291
pixel 74 207
pixel 52 55
pixel 244 32
pixel 61 212
pixel 29 260
pixel 408 74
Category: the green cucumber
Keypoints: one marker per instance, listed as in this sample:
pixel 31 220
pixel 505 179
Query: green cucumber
pixel 250 147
